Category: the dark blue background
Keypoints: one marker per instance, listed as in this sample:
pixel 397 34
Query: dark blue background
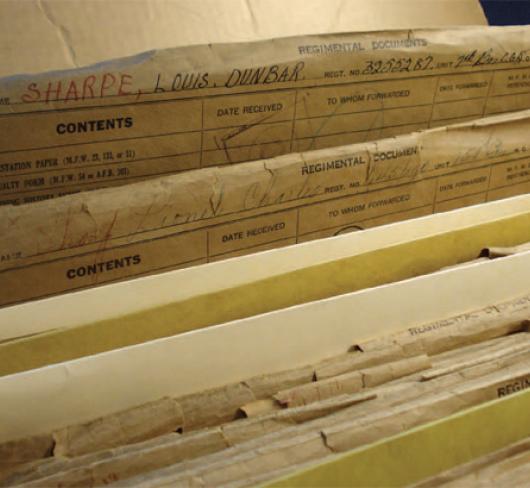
pixel 507 12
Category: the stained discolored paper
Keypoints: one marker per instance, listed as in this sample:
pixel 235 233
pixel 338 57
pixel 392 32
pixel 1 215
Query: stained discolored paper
pixel 266 385
pixel 233 433
pixel 125 462
pixel 384 361
pixel 98 470
pixel 274 421
pixel 469 328
pixel 351 382
pixel 213 407
pixel 25 450
pixel 182 220
pixel 395 420
pixel 320 390
pixel 191 412
pixel 52 465
pixel 480 358
pixel 250 459
pixel 223 404
pixel 378 375
pixel 171 110
pixel 377 411
pixel 133 425
pixel 356 360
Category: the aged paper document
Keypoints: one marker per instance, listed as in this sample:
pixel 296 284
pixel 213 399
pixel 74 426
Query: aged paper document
pixel 388 397
pixel 166 111
pixel 215 213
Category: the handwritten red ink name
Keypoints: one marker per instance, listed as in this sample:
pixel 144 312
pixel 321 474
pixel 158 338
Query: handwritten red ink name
pixel 93 86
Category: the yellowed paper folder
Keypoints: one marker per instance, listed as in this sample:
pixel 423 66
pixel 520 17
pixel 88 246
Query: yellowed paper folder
pixel 43 399
pixel 388 264
pixel 142 297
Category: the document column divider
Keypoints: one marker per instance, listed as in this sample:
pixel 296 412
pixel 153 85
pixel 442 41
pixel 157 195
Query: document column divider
pixel 294 121
pixel 202 131
pixel 429 125
pixel 488 93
